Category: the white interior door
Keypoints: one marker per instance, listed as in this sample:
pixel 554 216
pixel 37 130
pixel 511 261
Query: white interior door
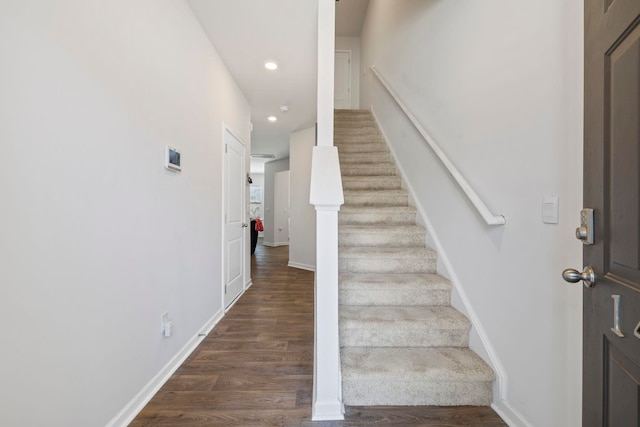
pixel 234 222
pixel 342 80
pixel 281 208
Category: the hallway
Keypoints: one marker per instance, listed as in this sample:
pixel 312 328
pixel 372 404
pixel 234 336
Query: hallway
pixel 256 367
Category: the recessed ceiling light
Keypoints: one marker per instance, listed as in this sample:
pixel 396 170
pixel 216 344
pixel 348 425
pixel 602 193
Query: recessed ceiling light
pixel 271 65
pixel 272 118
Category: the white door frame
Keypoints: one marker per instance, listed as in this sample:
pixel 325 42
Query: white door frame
pixel 226 129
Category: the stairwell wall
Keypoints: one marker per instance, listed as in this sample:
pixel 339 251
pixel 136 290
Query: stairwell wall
pixel 302 231
pixel 499 86
pixel 98 238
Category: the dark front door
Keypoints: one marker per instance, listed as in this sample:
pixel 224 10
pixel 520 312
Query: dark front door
pixel 611 387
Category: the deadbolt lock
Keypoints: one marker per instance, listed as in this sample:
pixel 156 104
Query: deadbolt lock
pixel 585 231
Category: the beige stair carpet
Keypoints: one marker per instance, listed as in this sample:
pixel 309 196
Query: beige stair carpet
pixel 401 341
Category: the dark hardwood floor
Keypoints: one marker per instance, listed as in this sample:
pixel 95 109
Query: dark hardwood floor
pixel 256 367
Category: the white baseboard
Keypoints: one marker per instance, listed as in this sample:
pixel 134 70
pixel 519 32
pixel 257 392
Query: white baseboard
pixel 302 266
pixel 275 244
pixel 327 411
pixel 235 300
pixel 135 405
pixel 509 415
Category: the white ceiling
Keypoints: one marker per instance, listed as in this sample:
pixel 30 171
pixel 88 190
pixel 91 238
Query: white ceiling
pixel 246 33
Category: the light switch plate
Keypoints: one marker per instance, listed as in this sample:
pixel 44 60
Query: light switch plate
pixel 550 209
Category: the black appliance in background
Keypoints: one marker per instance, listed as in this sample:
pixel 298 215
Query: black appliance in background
pixel 254 236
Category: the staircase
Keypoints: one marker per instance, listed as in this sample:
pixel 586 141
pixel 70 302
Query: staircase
pixel 401 341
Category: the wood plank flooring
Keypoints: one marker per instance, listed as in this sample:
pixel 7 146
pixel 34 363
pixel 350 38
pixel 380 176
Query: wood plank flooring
pixel 256 367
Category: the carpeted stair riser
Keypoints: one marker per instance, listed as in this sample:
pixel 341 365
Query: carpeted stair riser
pixel 359 158
pixel 396 326
pixel 415 376
pixel 394 289
pixel 376 198
pixel 365 147
pixel 353 120
pixel 366 169
pixel 348 124
pixel 374 215
pixel 391 236
pixel 340 141
pixel 386 260
pixel 371 183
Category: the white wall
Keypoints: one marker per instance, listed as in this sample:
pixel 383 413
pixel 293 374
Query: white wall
pixel 499 86
pixel 352 44
pixel 281 208
pixel 97 238
pixel 270 169
pixel 302 241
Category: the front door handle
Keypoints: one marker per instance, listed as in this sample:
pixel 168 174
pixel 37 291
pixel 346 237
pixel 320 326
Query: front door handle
pixel 244 225
pixel 588 276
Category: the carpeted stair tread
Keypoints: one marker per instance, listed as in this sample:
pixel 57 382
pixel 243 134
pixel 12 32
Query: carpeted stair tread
pixel 388 253
pixel 405 229
pixel 394 289
pixel 454 364
pixel 432 282
pixel 391 235
pixel 415 376
pixel 399 326
pixel 372 215
pixel 386 260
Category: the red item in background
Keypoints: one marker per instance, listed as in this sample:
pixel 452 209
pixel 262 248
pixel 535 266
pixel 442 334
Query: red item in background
pixel 259 225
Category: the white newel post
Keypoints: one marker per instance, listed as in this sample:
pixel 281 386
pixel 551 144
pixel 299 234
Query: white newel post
pixel 327 196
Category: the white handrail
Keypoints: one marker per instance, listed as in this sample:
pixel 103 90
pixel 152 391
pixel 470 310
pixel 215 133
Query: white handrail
pixel 482 209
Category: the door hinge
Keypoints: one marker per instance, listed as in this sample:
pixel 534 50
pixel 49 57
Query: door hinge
pixel 226 146
pixel 225 289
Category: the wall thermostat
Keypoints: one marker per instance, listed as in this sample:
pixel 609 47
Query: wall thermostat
pixel 172 159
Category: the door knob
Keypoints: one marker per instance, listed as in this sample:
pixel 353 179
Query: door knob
pixel 588 276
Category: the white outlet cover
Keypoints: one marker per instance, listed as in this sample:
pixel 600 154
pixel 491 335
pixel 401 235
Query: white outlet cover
pixel 163 321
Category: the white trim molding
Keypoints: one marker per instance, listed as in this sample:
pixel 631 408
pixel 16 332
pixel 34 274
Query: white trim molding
pixel 301 266
pixel 139 401
pixel 275 244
